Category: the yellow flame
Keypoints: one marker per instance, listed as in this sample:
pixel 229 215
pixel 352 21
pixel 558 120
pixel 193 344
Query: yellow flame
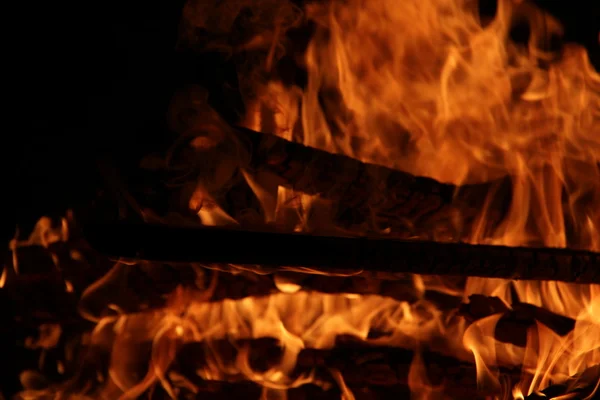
pixel 3 277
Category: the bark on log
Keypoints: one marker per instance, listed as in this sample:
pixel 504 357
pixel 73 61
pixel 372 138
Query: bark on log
pixel 366 369
pixel 369 194
pixel 359 197
pixel 361 365
pixel 330 254
pixel 219 390
pixel 146 285
pixel 46 283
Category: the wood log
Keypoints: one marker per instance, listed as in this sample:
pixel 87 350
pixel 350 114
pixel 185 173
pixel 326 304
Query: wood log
pixel 219 390
pixel 365 369
pixel 582 386
pixel 372 195
pixel 516 320
pixel 361 365
pixel 36 296
pixel 330 254
pixel 368 371
pixel 368 367
pixel 361 197
pixel 147 285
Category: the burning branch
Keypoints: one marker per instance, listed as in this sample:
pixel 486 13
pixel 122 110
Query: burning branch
pixel 212 366
pixel 367 195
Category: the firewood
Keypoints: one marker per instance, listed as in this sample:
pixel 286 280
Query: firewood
pixel 147 285
pixel 42 285
pixel 516 320
pixel 366 369
pixel 330 254
pixel 582 386
pixel 372 195
pixel 361 365
pixel 220 390
pixel 35 297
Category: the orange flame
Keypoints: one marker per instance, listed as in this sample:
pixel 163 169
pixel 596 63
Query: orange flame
pixel 429 88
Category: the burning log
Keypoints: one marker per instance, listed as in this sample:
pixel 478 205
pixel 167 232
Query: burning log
pixel 331 254
pixel 361 365
pixel 582 386
pixel 361 197
pixel 516 320
pixel 148 285
pixel 214 366
pixel 33 291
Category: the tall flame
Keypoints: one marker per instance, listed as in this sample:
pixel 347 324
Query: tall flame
pixel 430 88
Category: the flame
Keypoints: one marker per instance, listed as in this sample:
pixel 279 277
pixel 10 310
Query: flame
pixel 431 88
pixel 295 321
pixel 436 92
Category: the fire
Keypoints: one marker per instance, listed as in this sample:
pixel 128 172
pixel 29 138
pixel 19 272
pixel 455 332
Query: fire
pixel 430 88
pixel 427 87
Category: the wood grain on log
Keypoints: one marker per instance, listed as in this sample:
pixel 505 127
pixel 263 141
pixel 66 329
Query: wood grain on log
pixel 361 365
pixel 220 161
pixel 516 320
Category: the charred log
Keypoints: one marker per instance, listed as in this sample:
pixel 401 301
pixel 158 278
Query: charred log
pixel 367 194
pixel 516 320
pixel 361 365
pixel 42 285
pixel 330 254
pixel 213 366
pixel 143 286
pixel 583 386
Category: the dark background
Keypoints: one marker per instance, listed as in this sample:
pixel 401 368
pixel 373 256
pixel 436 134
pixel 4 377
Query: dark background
pixel 96 78
pixel 91 79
